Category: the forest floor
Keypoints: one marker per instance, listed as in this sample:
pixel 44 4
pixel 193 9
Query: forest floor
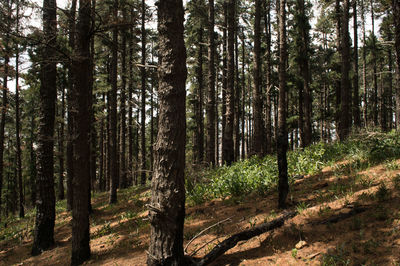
pixel 120 233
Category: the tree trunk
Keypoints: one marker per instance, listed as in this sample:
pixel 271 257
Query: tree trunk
pixel 5 102
pixel 338 90
pixel 32 158
pixel 210 107
pixel 143 106
pixel 224 76
pixel 167 205
pixel 198 103
pixel 356 96
pixel 268 120
pixel 130 100
pixel 282 141
pixel 396 15
pixel 122 157
pixel 364 67
pixel 258 137
pixel 305 73
pixel 81 141
pixel 228 145
pixel 61 147
pixel 113 109
pixel 375 99
pixel 45 204
pixel 345 111
pixel 18 123
pixel 70 96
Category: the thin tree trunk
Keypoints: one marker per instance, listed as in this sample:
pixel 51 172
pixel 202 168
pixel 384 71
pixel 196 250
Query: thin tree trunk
pixel 113 110
pixel 18 123
pixel 5 102
pixel 345 110
pixel 130 101
pixel 268 120
pixel 167 205
pixel 396 15
pixel 356 96
pixel 61 147
pixel 375 99
pixel 198 148
pixel 210 106
pixel 228 145
pixel 224 77
pixel 338 91
pixel 305 73
pixel 45 204
pixel 143 106
pixel 364 67
pixel 123 174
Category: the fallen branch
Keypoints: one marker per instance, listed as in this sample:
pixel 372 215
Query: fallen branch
pixel 232 241
pixel 203 231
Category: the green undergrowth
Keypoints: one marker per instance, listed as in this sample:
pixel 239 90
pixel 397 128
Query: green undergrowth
pixel 260 175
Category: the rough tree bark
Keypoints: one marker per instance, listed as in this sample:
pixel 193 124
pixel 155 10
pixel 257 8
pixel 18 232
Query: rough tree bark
pixel 228 146
pixel 81 140
pixel 210 106
pixel 258 137
pixel 45 204
pixel 113 110
pixel 167 205
pixel 198 148
pixel 282 141
pixel 5 102
pixel 143 105
pixel 122 139
pixel 70 96
pixel 396 15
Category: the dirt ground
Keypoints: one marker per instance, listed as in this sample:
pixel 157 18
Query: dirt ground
pixel 120 234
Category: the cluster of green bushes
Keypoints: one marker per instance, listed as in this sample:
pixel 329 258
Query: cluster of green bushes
pixel 260 175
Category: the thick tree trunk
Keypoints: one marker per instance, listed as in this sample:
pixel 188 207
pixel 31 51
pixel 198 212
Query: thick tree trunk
pixel 210 106
pixel 167 205
pixel 259 137
pixel 345 111
pixel 70 96
pixel 228 145
pixel 113 110
pixel 282 141
pixel 45 204
pixel 81 142
pixel 143 105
